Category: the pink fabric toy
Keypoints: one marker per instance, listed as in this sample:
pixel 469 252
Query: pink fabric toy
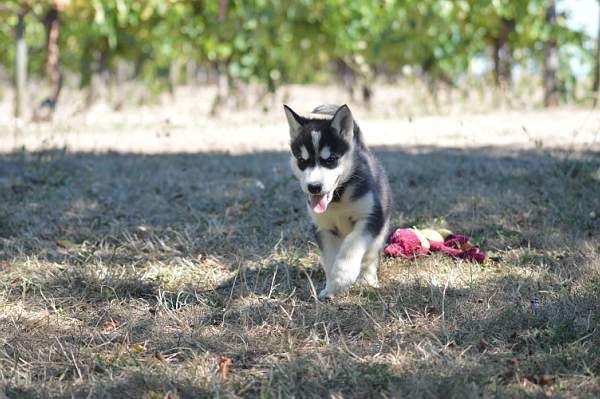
pixel 410 243
pixel 405 243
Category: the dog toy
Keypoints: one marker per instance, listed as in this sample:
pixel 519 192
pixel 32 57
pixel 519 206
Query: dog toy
pixel 410 243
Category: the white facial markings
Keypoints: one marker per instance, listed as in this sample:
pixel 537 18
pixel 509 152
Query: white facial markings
pixel 304 153
pixel 317 174
pixel 316 137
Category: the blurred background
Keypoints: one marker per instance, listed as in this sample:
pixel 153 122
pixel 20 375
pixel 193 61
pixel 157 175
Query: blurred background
pixel 86 62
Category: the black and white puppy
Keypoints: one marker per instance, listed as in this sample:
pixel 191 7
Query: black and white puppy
pixel 348 194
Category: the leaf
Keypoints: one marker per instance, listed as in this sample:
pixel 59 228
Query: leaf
pixel 109 326
pixel 541 380
pixel 431 311
pixel 466 246
pixel 483 345
pixel 66 244
pixel 160 357
pixel 224 367
pixel 138 348
pixel 547 379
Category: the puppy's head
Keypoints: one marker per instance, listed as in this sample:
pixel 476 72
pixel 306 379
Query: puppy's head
pixel 321 153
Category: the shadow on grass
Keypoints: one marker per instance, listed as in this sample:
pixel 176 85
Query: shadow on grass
pixel 123 210
pixel 240 206
pixel 127 209
pixel 107 224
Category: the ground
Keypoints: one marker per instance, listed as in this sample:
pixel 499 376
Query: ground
pixel 154 253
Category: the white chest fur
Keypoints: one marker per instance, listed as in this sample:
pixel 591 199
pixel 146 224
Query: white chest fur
pixel 341 216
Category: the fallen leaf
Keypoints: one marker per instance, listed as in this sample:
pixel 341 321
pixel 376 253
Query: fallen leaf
pixel 152 395
pixel 522 216
pixel 66 244
pixel 541 380
pixel 529 378
pixel 431 311
pixel 109 326
pixel 494 256
pixel 483 345
pixel 160 357
pixel 547 379
pixel 139 348
pixel 466 246
pixel 224 366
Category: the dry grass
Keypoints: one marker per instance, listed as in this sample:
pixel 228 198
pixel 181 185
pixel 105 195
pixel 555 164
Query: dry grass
pixel 143 275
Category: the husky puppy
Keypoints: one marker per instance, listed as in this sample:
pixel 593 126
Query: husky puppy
pixel 348 194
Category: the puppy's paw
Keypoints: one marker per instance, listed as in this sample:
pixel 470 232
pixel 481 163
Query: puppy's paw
pixel 325 295
pixel 369 281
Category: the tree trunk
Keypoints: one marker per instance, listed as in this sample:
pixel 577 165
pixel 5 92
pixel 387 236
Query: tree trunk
pixel 496 59
pixel 503 54
pixel 223 5
pixel 596 87
pixel 222 89
pixel 20 66
pixel 174 75
pixel 551 60
pixel 346 75
pixel 47 107
pixel 191 73
pixel 53 52
pixel 85 67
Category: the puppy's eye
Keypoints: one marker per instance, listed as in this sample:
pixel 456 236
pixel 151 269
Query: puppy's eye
pixel 331 159
pixel 302 163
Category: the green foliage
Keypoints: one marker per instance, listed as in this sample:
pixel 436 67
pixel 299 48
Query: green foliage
pixel 272 42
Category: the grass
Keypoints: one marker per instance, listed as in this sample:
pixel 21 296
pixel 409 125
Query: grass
pixel 195 275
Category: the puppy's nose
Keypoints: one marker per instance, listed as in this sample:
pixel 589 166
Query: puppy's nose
pixel 315 188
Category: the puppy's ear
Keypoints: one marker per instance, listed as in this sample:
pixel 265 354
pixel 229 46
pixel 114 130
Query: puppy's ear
pixel 294 120
pixel 343 122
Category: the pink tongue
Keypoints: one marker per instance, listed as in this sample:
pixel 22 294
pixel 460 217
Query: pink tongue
pixel 318 203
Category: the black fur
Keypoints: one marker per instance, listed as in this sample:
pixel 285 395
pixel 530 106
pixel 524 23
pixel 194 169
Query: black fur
pixel 367 174
pixel 337 145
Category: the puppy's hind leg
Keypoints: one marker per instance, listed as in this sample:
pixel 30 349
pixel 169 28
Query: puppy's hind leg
pixel 368 271
pixel 370 262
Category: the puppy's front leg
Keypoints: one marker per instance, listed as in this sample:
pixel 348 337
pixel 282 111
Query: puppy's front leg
pixel 346 266
pixel 329 243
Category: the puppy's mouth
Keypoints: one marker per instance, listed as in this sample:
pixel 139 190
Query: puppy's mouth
pixel 319 202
